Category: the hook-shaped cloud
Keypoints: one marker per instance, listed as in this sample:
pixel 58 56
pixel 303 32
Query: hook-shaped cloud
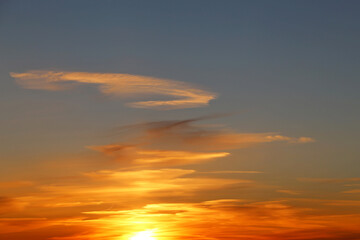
pixel 118 84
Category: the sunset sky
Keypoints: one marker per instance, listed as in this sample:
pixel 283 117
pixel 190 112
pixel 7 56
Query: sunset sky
pixel 171 120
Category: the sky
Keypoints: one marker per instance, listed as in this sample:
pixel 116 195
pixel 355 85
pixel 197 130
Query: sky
pixel 169 120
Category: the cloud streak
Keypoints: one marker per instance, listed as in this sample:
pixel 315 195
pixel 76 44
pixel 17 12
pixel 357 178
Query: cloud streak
pixel 329 180
pixel 186 133
pixel 184 94
pixel 134 155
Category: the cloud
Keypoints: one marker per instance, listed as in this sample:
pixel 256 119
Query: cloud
pixel 32 229
pixel 304 140
pixel 137 156
pixel 352 191
pixel 329 180
pixel 327 202
pixel 100 188
pixel 159 182
pixel 230 172
pixel 113 205
pixel 15 184
pixel 345 203
pixel 226 219
pixel 289 139
pixel 185 133
pixel 8 204
pixel 124 85
pixel 228 140
pixel 45 208
pixel 291 192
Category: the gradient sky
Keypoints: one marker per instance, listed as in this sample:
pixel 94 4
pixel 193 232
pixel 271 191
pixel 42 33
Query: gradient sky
pixel 166 120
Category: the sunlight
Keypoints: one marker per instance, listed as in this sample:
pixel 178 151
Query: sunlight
pixel 144 235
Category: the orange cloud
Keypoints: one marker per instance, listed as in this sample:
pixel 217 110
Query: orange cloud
pixel 143 157
pixel 107 187
pixel 97 206
pixel 7 204
pixel 124 85
pixel 352 191
pixel 58 204
pixel 327 202
pixel 224 140
pixel 291 192
pixel 224 219
pixel 15 184
pixel 160 182
pixel 185 133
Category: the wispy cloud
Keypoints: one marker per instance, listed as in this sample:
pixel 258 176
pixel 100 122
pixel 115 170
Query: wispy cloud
pixel 157 143
pixel 186 133
pixel 117 84
pixel 329 180
pixel 352 191
pixel 106 187
pixel 15 184
pixel 135 155
pixel 7 204
pixel 159 182
pixel 234 172
pixel 286 191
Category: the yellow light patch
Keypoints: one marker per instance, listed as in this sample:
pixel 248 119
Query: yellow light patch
pixel 144 235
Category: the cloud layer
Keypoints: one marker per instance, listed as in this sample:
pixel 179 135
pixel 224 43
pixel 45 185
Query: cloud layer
pixel 125 85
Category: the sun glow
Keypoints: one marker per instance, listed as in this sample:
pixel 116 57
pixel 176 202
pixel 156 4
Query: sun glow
pixel 144 235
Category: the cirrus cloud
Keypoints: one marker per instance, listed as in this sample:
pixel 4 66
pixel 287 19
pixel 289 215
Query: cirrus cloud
pixel 118 84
